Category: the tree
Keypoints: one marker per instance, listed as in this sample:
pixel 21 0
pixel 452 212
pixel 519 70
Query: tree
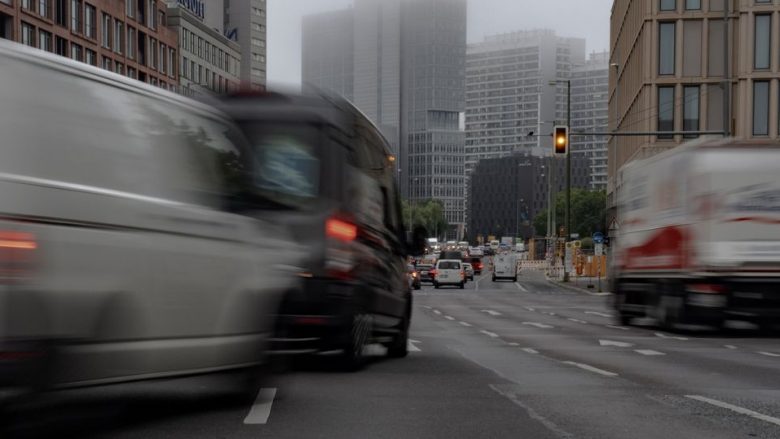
pixel 429 214
pixel 588 213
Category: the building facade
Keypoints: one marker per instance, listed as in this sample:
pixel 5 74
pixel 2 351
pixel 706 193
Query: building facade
pixel 589 113
pixel 402 62
pixel 508 92
pixel 690 65
pixel 129 37
pixel 508 193
pixel 245 23
pixel 208 60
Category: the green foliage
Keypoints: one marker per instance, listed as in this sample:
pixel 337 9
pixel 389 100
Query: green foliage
pixel 588 209
pixel 428 214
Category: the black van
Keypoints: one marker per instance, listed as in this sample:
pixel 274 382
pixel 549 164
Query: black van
pixel 332 177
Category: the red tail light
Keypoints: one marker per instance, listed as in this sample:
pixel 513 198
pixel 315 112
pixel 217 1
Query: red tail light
pixel 340 229
pixel 707 288
pixel 432 273
pixel 17 250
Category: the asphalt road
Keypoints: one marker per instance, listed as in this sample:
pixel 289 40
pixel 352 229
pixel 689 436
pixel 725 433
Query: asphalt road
pixel 496 360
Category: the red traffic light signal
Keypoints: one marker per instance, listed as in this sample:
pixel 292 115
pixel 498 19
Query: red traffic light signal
pixel 560 140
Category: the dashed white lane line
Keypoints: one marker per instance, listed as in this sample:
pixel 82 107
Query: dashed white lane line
pixel 729 346
pixel 591 369
pixel 449 317
pixel 410 346
pixel 618 327
pixel 491 312
pixel 578 321
pixel 437 312
pixel 620 344
pixel 261 409
pixel 671 337
pixel 648 352
pixel 734 408
pixel 489 334
pixel 600 314
pixel 530 350
pixel 529 308
pixel 468 325
pixel 522 288
pixel 538 325
pixel 513 344
pixel 768 354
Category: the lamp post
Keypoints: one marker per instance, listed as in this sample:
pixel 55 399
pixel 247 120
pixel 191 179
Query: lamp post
pixel 568 168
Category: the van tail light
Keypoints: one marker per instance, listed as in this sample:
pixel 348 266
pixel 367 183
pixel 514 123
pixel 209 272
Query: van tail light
pixel 704 288
pixel 432 273
pixel 17 253
pixel 340 260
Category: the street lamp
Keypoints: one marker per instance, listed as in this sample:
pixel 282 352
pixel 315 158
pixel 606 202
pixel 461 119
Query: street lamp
pixel 568 167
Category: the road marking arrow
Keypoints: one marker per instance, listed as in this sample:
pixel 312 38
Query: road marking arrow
pixel 620 344
pixel 411 347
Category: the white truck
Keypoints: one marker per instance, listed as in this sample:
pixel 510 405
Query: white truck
pixel 699 235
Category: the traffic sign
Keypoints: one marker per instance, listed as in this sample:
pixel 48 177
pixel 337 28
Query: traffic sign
pixel 598 238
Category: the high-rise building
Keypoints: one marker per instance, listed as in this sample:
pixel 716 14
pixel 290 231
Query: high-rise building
pixel 690 65
pixel 245 23
pixel 589 113
pixel 403 66
pixel 510 105
pixel 209 60
pixel 129 37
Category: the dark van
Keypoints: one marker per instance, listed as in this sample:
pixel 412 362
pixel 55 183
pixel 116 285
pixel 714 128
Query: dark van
pixel 332 177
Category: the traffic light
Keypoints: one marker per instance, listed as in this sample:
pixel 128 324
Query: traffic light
pixel 560 140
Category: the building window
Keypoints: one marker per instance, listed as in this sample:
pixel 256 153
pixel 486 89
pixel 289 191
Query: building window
pixel 44 8
pixel 666 48
pixel 130 7
pixel 105 28
pixel 119 33
pixel 185 67
pixel 106 63
pixel 691 109
pixel 75 51
pixel 130 43
pixel 162 58
pixel 131 73
pixel 75 16
pixel 90 57
pixel 61 12
pixel 60 46
pixel 28 4
pixel 44 40
pixel 171 58
pixel 668 5
pixel 153 53
pixel 28 34
pixel 692 5
pixel 151 15
pixel 762 44
pixel 761 108
pixel 665 110
pixel 119 68
pixel 90 21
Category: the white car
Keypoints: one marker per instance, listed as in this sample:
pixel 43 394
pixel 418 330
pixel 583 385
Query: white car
pixel 449 272
pixel 505 267
pixel 469 270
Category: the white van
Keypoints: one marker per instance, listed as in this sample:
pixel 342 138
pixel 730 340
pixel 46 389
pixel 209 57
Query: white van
pixel 126 247
pixel 449 272
pixel 505 267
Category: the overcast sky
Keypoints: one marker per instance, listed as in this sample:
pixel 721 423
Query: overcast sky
pixel 577 18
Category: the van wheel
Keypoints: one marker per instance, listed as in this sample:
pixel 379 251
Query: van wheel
pixel 494 279
pixel 514 279
pixel 360 332
pixel 436 285
pixel 461 285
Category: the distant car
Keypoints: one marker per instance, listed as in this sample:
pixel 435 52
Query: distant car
pixel 451 254
pixel 469 270
pixel 424 271
pixel 476 251
pixel 414 277
pixel 449 272
pixel 477 264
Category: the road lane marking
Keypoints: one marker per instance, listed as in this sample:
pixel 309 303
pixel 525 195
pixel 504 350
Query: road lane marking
pixel 427 307
pixel 729 346
pixel 489 334
pixel 491 312
pixel 468 325
pixel 670 337
pixel 600 314
pixel 578 321
pixel 530 350
pixel 529 308
pixel 437 312
pixel 620 344
pixel 449 317
pixel 513 344
pixel 261 409
pixel 591 369
pixel 618 327
pixel 538 325
pixel 648 352
pixel 522 288
pixel 768 354
pixel 734 408
pixel 411 347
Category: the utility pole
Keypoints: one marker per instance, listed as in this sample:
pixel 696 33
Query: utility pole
pixel 568 175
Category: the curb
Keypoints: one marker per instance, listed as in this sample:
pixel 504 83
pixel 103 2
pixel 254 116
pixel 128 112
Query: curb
pixel 578 289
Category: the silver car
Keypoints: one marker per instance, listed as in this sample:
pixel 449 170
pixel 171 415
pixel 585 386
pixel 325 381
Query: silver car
pixel 469 270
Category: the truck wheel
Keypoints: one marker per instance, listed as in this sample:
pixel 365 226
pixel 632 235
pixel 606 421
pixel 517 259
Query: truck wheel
pixel 669 312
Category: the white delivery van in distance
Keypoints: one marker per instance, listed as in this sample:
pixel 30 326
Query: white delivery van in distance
pixel 505 267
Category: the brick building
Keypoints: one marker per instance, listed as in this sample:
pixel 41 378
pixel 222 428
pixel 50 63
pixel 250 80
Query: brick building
pixel 128 37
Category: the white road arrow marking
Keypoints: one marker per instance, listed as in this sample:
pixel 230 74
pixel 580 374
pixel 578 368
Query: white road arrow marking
pixel 411 347
pixel 491 312
pixel 671 337
pixel 649 352
pixel 600 314
pixel 261 409
pixel 538 325
pixel 620 344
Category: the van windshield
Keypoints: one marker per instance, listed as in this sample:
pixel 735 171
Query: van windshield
pixel 286 161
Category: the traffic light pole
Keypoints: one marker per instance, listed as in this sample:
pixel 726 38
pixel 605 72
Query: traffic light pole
pixel 568 176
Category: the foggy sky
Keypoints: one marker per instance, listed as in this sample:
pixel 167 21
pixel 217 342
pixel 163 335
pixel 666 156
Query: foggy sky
pixel 576 18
